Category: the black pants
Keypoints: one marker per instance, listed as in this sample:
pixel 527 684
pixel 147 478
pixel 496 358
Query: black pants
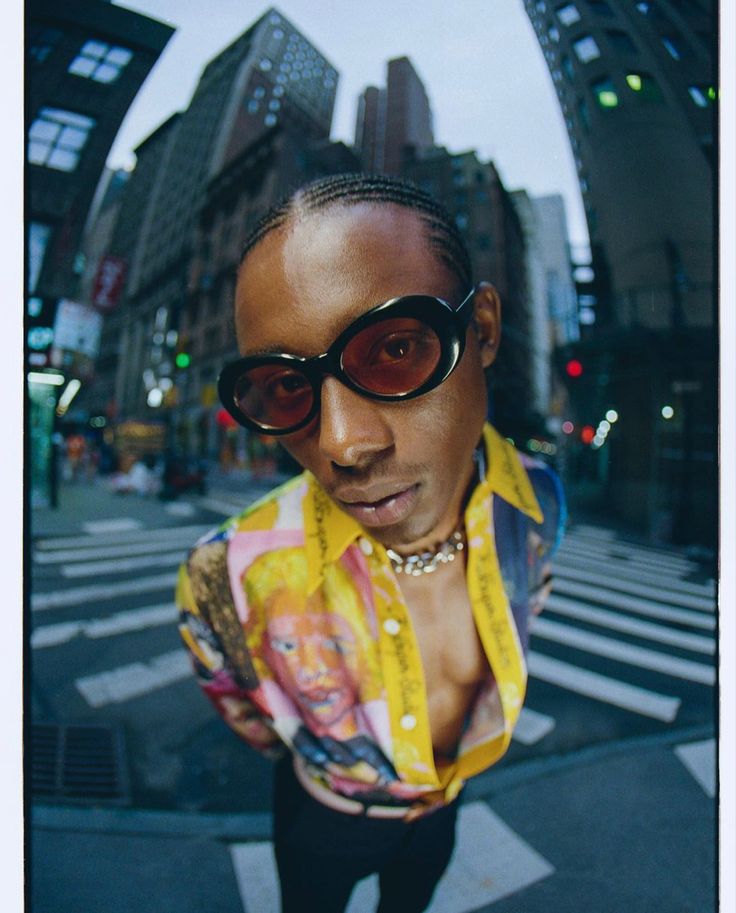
pixel 321 854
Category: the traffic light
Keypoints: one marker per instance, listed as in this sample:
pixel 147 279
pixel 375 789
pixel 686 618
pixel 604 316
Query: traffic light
pixel 182 358
pixel 573 367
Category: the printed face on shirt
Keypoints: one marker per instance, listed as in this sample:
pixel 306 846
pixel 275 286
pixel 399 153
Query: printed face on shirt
pixel 313 656
pixel 400 468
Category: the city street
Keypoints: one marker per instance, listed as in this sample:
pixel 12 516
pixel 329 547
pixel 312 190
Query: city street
pixel 622 664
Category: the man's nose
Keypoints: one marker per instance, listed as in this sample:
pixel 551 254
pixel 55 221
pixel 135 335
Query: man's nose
pixel 353 429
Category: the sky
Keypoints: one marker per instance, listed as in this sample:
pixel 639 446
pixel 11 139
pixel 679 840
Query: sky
pixel 480 62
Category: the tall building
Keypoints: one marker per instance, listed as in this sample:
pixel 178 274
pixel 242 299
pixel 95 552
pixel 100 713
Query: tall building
pixel 394 121
pixel 86 61
pixel 636 85
pixel 269 81
pixel 484 212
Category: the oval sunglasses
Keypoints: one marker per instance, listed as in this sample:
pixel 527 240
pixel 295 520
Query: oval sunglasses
pixel 396 351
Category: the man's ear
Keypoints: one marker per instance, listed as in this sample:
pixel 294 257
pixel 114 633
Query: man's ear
pixel 487 321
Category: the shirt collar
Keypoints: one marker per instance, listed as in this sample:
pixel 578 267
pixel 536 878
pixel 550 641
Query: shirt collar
pixel 329 531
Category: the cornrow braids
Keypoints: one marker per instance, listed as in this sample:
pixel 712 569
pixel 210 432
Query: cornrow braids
pixel 442 233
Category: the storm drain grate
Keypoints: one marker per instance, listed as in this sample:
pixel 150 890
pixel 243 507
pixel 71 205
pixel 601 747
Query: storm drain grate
pixel 78 763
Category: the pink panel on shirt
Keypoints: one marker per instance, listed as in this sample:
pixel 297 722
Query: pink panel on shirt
pixel 244 548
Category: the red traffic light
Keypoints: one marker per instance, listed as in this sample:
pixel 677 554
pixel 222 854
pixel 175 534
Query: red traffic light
pixel 587 434
pixel 574 368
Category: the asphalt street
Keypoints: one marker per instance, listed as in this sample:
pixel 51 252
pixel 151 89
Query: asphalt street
pixel 619 717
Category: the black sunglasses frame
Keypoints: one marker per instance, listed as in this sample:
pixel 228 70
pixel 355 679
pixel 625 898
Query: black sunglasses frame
pixel 449 323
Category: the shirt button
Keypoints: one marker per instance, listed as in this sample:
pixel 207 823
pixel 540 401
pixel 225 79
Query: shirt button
pixel 391 626
pixel 408 721
pixel 365 547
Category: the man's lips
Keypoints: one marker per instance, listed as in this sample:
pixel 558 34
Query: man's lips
pixel 378 508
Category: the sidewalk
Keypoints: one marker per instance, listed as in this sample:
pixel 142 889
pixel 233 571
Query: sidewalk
pixel 624 827
pixel 94 501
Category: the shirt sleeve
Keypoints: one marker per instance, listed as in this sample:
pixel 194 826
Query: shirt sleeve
pixel 216 674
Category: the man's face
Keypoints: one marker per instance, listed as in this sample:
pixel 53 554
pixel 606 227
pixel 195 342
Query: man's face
pixel 313 656
pixel 400 468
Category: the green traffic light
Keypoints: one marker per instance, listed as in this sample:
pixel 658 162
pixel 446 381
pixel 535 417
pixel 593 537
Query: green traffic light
pixel 182 360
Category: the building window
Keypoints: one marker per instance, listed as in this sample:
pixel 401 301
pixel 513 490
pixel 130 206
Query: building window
pixel 38 240
pixel 57 137
pixel 554 33
pixel 586 49
pixel 644 86
pixel 100 62
pixel 568 14
pixel 620 41
pixel 643 8
pixel 671 46
pixel 605 93
pixel 270 120
pixel 42 43
pixel 541 6
pixel 461 220
pixel 584 114
pixel 567 67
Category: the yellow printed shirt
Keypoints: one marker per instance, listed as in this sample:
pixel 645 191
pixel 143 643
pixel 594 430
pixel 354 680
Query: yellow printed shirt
pixel 300 636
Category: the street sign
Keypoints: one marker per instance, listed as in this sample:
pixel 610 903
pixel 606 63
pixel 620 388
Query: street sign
pixel 108 284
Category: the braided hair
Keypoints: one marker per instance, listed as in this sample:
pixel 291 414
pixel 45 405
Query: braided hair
pixel 442 233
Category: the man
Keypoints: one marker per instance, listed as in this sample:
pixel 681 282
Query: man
pixel 371 615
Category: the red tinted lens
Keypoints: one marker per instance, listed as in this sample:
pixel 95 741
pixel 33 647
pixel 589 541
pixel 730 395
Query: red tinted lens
pixel 274 396
pixel 393 356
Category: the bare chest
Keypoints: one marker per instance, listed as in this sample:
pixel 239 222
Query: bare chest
pixel 452 656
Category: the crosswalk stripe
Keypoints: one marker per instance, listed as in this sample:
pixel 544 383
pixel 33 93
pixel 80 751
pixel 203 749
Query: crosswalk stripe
pixel 120 623
pixel 602 688
pixel 491 861
pixel 219 506
pixel 623 652
pixel 532 726
pixel 629 625
pixel 140 535
pixel 59 599
pixel 116 525
pixel 635 588
pixel 614 568
pixel 700 760
pixel 635 604
pixel 126 682
pixel 167 540
pixel 634 557
pixel 122 565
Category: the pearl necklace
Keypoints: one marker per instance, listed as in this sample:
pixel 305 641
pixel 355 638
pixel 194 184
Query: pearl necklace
pixel 428 561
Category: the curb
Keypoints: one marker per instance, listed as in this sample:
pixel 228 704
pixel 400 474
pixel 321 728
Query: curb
pixel 258 825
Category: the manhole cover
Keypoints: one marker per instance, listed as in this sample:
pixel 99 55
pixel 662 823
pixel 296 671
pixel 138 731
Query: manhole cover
pixel 78 763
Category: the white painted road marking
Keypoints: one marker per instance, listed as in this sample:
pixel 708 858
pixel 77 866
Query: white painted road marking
pixel 167 539
pixel 663 562
pixel 623 652
pixel 602 688
pixel 490 862
pixel 532 726
pixel 120 623
pixel 636 588
pixel 218 506
pixel 667 584
pixel 123 565
pixel 634 604
pixel 117 525
pixel 99 592
pixel 139 535
pixel 628 625
pixel 700 760
pixel 126 682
